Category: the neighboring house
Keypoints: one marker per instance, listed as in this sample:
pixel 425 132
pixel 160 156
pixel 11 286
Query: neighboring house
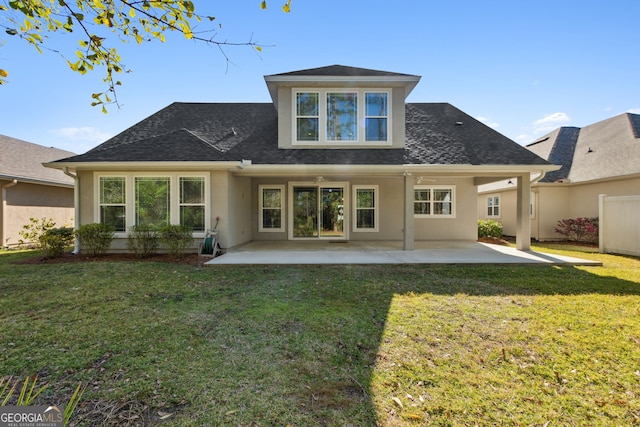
pixel 29 190
pixel 602 158
pixel 337 156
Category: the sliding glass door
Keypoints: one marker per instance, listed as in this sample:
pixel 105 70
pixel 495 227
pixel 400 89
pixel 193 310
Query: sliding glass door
pixel 318 211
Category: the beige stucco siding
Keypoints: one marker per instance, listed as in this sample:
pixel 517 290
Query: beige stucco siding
pixel 25 200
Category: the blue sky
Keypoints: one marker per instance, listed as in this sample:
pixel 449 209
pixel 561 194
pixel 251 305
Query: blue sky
pixel 523 68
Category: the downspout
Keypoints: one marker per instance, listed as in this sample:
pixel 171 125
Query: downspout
pixel 542 174
pixel 76 206
pixel 4 210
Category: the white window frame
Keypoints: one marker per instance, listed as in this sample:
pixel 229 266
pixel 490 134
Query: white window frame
pixel 376 208
pixel 174 197
pixel 432 188
pixel 261 188
pixel 99 203
pixel 322 117
pixel 493 198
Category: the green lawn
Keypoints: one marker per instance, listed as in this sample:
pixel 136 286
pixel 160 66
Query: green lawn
pixel 402 345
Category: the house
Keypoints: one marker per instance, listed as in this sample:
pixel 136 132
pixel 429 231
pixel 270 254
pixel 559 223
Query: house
pixel 602 158
pixel 30 190
pixel 338 155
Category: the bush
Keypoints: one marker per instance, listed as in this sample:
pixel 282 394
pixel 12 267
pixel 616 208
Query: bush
pixel 142 240
pixel 579 229
pixel 55 240
pixel 176 238
pixel 36 228
pixel 95 238
pixel 489 228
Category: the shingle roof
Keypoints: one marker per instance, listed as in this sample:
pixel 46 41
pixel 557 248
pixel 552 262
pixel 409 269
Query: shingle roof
pixel 606 149
pixel 23 160
pixel 436 133
pixel 558 148
pixel 341 71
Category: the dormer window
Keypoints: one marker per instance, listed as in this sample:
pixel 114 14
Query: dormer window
pixel 341 117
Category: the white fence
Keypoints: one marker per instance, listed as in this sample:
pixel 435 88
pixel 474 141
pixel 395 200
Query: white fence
pixel 620 224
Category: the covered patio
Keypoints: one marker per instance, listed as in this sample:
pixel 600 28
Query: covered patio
pixel 386 252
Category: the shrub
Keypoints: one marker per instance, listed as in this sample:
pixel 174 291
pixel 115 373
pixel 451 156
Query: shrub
pixel 36 228
pixel 54 241
pixel 579 229
pixel 489 228
pixel 95 238
pixel 176 238
pixel 142 240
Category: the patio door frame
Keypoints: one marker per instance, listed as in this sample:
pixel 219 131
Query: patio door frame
pixel 344 185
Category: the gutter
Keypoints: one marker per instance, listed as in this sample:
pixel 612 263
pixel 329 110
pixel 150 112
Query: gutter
pixel 76 207
pixel 3 209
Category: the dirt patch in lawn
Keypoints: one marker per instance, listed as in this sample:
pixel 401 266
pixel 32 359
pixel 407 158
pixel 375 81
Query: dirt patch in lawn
pixel 187 259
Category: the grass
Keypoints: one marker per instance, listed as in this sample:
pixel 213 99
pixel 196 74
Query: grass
pixel 403 345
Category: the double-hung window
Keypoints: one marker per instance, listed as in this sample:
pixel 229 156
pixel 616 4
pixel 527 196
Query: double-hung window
pixel 192 204
pixel 334 116
pixel 271 207
pixel 493 206
pixel 112 203
pixel 366 207
pixel 434 201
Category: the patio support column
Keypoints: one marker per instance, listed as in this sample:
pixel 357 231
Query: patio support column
pixel 408 243
pixel 523 214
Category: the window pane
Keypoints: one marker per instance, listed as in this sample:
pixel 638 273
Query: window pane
pixel 192 190
pixel 113 216
pixel 271 218
pixel 307 129
pixel 342 116
pixel 112 190
pixel 422 208
pixel 441 208
pixel 422 194
pixel 442 195
pixel 376 104
pixel 271 198
pixel 365 198
pixel 376 129
pixel 365 218
pixel 307 104
pixel 192 216
pixel 152 202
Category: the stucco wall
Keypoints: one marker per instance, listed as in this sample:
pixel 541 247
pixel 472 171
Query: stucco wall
pixel 25 201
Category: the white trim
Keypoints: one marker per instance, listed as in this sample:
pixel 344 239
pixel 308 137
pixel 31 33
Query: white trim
pixel 376 208
pixel 174 196
pixel 280 229
pixel 323 140
pixel 431 215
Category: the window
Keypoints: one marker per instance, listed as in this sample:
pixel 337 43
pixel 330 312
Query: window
pixel 434 201
pixel 271 208
pixel 376 116
pixel 192 202
pixel 342 116
pixel 153 201
pixel 332 116
pixel 113 202
pixel 307 116
pixel 366 207
pixel 493 206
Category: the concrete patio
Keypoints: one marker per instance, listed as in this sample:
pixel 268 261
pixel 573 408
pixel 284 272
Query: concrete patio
pixel 387 252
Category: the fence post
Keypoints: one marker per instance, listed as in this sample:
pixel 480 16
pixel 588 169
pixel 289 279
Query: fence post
pixel 601 236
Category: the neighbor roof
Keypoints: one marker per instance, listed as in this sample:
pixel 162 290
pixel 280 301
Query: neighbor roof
pixel 606 149
pixel 342 71
pixel 23 160
pixel 436 134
